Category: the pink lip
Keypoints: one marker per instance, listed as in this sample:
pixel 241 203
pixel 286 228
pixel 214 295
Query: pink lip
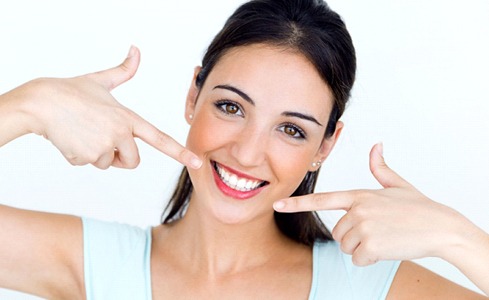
pixel 238 173
pixel 226 190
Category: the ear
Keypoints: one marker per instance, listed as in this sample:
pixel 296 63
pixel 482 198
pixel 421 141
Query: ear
pixel 193 93
pixel 326 147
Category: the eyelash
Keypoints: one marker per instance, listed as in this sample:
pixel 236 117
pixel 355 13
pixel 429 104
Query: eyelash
pixel 302 134
pixel 220 104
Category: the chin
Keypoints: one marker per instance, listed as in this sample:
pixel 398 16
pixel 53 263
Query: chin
pixel 229 214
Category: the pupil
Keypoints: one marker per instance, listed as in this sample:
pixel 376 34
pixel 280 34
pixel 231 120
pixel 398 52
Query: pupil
pixel 290 130
pixel 232 109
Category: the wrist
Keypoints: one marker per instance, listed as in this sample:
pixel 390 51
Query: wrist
pixel 465 240
pixel 16 118
pixel 30 105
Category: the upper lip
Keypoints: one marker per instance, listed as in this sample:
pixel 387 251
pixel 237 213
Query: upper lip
pixel 238 173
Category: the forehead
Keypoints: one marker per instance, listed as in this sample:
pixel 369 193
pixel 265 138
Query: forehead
pixel 271 75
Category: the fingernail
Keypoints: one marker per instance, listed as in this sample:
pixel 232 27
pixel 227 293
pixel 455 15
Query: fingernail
pixel 279 205
pixel 195 162
pixel 381 148
pixel 132 51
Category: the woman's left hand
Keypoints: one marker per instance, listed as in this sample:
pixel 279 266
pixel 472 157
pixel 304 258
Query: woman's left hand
pixel 394 223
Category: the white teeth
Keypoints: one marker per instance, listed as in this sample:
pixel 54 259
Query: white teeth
pixel 248 185
pixel 239 184
pixel 233 180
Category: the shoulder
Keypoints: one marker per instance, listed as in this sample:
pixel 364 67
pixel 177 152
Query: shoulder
pixel 116 260
pixel 336 277
pixel 416 282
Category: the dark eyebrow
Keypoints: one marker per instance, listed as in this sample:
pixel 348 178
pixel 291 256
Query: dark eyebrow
pixel 235 90
pixel 301 116
pixel 248 98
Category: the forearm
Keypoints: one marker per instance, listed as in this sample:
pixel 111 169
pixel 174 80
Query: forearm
pixel 470 254
pixel 15 119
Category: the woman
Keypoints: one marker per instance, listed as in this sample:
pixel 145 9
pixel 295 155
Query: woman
pixel 264 111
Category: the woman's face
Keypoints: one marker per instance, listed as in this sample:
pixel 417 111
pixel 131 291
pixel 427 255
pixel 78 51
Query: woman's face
pixel 259 124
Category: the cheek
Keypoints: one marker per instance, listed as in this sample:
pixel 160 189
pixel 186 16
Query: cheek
pixel 290 165
pixel 205 134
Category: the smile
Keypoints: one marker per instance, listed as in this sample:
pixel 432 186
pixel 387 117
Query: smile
pixel 238 182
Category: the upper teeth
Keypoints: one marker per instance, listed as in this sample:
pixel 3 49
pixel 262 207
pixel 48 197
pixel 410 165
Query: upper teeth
pixel 235 182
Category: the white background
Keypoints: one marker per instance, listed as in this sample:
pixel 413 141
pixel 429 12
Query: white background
pixel 421 89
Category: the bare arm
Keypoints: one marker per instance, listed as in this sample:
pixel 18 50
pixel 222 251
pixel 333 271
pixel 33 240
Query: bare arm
pixel 400 223
pixel 82 119
pixel 14 119
pixel 415 282
pixel 42 253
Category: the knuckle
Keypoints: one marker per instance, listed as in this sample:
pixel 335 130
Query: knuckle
pixel 132 164
pixel 317 199
pixel 102 166
pixel 136 161
pixel 336 234
pixel 163 139
pixel 124 113
pixel 73 160
pixel 297 203
pixel 369 247
pixel 124 67
pixel 363 256
pixel 357 260
pixel 105 146
pixel 91 157
pixel 183 154
pixel 364 228
pixel 345 248
pixel 356 213
pixel 120 130
pixel 362 212
pixel 362 195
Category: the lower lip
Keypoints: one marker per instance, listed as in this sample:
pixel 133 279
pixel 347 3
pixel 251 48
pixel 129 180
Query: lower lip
pixel 226 190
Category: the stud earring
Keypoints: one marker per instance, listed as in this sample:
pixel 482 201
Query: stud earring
pixel 191 117
pixel 316 164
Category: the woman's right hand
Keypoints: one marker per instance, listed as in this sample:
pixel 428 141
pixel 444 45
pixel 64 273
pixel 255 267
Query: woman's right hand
pixel 82 119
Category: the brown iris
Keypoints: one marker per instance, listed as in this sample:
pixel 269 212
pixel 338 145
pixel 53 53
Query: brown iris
pixel 290 130
pixel 232 109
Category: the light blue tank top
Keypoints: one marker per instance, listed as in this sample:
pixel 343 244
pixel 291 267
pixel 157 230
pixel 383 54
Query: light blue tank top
pixel 117 266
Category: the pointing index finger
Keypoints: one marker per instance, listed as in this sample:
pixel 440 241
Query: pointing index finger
pixel 165 143
pixel 315 202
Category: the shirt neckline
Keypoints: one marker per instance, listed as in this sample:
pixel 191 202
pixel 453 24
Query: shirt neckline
pixel 149 290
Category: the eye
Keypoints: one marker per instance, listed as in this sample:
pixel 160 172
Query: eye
pixel 293 131
pixel 229 107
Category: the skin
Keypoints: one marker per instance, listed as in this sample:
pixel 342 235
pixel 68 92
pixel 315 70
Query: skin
pixel 400 223
pixel 47 260
pixel 230 245
pixel 222 246
pixel 253 140
pixel 83 104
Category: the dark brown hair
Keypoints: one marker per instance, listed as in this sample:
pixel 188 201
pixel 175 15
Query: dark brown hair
pixel 314 30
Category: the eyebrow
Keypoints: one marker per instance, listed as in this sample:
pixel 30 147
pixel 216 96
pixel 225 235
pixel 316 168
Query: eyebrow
pixel 237 91
pixel 301 116
pixel 248 98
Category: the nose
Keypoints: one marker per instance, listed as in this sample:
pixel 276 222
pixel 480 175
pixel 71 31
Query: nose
pixel 250 147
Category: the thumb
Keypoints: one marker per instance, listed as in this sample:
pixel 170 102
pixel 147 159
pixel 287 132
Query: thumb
pixel 384 175
pixel 113 77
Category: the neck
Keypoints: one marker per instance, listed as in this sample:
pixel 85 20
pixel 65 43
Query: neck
pixel 216 248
